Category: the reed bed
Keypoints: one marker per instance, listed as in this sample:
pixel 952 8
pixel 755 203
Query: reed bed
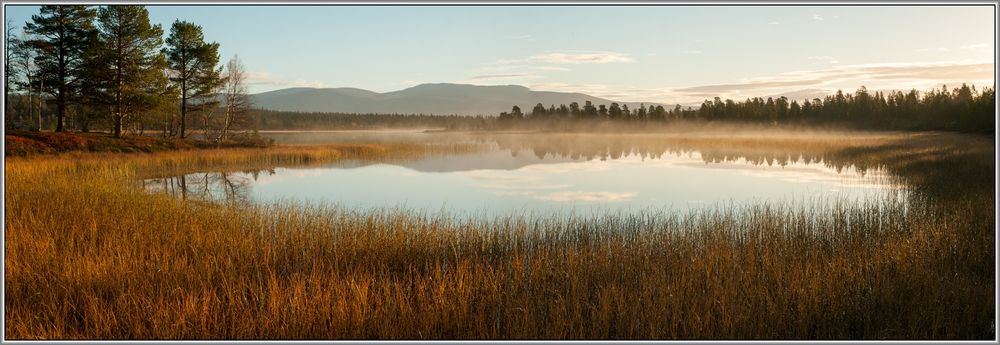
pixel 90 255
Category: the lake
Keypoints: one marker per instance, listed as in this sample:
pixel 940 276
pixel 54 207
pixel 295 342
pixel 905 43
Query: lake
pixel 554 174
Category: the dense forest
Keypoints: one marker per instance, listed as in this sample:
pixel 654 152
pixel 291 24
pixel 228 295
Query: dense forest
pixel 109 68
pixel 963 109
pixel 284 120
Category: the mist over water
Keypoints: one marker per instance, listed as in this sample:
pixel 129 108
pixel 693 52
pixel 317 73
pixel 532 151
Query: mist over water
pixel 549 174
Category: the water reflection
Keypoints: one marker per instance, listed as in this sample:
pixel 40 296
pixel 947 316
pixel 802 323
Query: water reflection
pixel 228 186
pixel 560 174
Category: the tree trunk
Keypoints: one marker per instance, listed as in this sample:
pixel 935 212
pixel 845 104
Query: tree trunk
pixel 117 117
pixel 61 109
pixel 228 121
pixel 31 107
pixel 183 180
pixel 117 125
pixel 41 85
pixel 183 105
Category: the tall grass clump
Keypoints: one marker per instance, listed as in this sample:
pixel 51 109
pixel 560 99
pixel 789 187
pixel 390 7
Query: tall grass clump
pixel 92 256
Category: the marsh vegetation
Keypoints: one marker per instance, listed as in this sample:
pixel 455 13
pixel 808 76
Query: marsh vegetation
pixel 92 254
pixel 182 219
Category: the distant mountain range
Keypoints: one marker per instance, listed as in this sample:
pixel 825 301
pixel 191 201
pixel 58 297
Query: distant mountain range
pixel 438 99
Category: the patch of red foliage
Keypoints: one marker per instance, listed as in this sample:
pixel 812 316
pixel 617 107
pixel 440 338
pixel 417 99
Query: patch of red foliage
pixel 65 141
pixel 24 143
pixel 21 146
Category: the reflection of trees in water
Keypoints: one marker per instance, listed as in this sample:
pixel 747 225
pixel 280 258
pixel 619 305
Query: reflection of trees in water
pixel 939 164
pixel 228 186
pixel 719 151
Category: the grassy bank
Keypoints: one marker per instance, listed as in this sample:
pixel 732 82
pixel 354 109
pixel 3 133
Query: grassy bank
pixel 26 143
pixel 90 255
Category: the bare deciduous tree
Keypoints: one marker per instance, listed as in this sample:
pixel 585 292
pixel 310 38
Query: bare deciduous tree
pixel 237 101
pixel 8 70
pixel 26 73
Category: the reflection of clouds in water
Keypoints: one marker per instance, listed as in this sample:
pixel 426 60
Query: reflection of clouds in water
pixel 508 183
pixel 569 196
pixel 800 172
pixel 586 196
pixel 498 176
pixel 527 193
pixel 858 183
pixel 524 187
pixel 264 178
pixel 562 168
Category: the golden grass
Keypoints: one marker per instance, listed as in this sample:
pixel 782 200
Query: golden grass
pixel 91 255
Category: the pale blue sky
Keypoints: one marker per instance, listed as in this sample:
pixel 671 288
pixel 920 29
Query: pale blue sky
pixel 670 54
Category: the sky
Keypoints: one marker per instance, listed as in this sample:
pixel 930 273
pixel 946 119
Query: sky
pixel 664 54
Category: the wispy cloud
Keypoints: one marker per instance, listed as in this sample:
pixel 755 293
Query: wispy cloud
pixel 724 88
pixel 613 92
pixel 582 57
pixel 818 17
pixel 875 76
pixel 264 80
pixel 802 84
pixel 599 90
pixel 938 49
pixel 693 51
pixel 533 67
pixel 937 70
pixel 978 46
pixel 506 61
pixel 507 76
pixel 551 68
pixel 804 93
pixel 773 23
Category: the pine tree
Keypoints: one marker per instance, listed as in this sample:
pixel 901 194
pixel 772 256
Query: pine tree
pixel 589 110
pixel 538 111
pixel 128 63
pixel 615 111
pixel 64 33
pixel 193 66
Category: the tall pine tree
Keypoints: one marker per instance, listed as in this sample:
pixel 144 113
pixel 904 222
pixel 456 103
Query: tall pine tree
pixel 129 62
pixel 64 34
pixel 193 66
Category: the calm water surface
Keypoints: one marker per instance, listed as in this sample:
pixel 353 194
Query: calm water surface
pixel 508 179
